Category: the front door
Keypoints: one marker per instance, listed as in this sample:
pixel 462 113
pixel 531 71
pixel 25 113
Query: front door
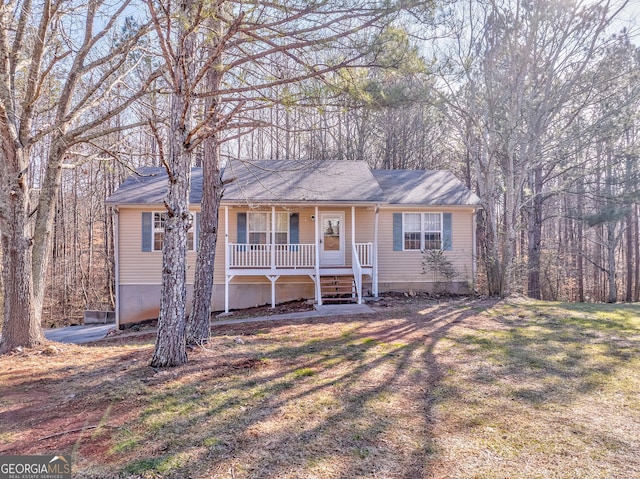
pixel 332 239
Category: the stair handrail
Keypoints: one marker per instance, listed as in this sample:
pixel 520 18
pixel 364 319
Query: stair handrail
pixel 316 254
pixel 357 272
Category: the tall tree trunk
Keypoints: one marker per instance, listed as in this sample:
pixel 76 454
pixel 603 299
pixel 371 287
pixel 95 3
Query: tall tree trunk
pixel 43 242
pixel 488 247
pixel 629 222
pixel 611 262
pixel 597 264
pixel 580 240
pixel 198 323
pixel 510 242
pixel 19 327
pixel 611 241
pixel 636 227
pixel 170 348
pixel 535 236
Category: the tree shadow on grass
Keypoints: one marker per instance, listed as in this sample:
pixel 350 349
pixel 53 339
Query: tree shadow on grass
pixel 360 407
pixel 544 388
pixel 330 397
pixel 352 400
pixel 552 357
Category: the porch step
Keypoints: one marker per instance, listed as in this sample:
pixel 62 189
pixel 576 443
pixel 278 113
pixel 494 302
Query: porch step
pixel 345 300
pixel 338 289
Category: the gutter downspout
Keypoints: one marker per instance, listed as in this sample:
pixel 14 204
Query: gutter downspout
pixel 226 259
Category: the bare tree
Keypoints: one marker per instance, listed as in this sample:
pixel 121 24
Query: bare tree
pixel 531 61
pixel 244 41
pixel 85 73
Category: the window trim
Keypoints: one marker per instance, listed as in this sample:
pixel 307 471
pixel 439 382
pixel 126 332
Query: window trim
pixel 269 237
pixel 155 230
pixel 423 230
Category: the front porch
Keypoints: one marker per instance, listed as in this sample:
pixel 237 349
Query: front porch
pixel 326 257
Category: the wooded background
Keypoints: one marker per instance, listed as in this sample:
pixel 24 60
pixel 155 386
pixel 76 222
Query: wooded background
pixel 534 105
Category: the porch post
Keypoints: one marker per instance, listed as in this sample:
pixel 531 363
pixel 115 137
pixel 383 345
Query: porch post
pixel 374 286
pixel 273 292
pixel 273 278
pixel 354 251
pixel 226 259
pixel 353 229
pixel 273 238
pixel 317 234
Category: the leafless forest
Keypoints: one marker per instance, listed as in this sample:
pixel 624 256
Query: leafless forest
pixel 535 105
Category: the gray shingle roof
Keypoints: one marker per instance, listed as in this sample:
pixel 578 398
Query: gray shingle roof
pixel 299 181
pixel 424 187
pixel 149 186
pixel 286 181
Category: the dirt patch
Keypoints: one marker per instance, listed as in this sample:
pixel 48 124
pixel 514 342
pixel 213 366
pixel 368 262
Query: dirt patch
pixel 50 403
pixel 266 310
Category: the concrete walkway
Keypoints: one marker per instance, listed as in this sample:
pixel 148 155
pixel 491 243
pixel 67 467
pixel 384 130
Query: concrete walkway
pixel 78 334
pixel 91 333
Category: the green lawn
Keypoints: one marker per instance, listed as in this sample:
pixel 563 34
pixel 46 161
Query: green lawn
pixel 457 389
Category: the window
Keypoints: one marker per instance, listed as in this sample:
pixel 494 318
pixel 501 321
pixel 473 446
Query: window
pixel 422 231
pixel 432 231
pixel 159 220
pixel 259 228
pixel 282 228
pixel 412 231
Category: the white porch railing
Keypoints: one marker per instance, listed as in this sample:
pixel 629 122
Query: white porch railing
pixel 364 253
pixel 268 256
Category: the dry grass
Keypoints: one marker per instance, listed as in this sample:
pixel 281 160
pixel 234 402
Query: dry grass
pixel 420 390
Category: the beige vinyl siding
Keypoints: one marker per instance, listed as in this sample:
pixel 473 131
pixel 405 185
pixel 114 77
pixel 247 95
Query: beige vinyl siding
pixel 406 266
pixel 365 220
pixel 140 273
pixel 307 225
pixel 218 264
pixel 136 266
